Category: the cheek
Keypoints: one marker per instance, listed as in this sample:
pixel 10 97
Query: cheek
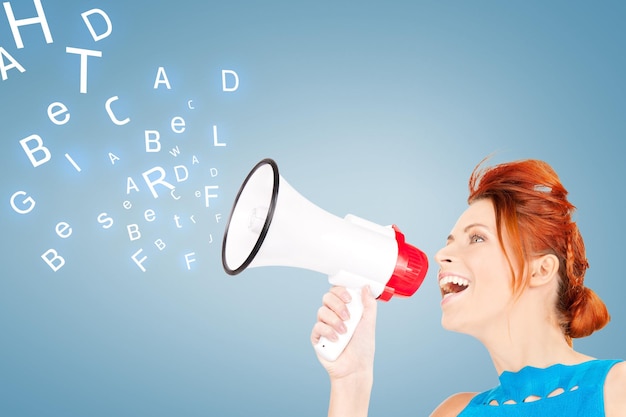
pixel 499 271
pixel 493 276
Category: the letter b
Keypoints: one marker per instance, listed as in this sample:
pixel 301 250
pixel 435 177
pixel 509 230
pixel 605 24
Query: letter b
pixel 30 152
pixel 133 232
pixel 53 259
pixel 152 137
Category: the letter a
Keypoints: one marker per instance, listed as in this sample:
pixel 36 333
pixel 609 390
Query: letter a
pixel 131 185
pixel 161 78
pixel 13 64
pixel 113 158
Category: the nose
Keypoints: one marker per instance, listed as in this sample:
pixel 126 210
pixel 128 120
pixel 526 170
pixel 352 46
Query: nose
pixel 444 255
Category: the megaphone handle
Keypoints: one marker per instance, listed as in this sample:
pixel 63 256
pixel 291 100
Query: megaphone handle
pixel 330 350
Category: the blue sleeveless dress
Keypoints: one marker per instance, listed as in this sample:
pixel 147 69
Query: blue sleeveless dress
pixel 563 390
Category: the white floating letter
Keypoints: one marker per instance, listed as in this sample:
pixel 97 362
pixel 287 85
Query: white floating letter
pixel 15 23
pixel 235 85
pixel 96 37
pixel 84 53
pixel 30 152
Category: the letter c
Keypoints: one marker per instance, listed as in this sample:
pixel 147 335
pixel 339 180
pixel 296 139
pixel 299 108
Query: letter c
pixel 114 119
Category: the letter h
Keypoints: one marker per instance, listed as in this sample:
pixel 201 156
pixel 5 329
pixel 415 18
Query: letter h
pixel 16 24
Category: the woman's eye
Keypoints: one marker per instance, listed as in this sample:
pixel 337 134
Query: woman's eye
pixel 476 238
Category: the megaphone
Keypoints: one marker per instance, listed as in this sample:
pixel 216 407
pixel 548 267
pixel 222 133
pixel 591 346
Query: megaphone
pixel 271 224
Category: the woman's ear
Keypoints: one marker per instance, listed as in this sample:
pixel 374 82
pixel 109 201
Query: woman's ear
pixel 544 269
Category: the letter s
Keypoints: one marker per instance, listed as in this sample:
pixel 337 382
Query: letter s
pixel 105 220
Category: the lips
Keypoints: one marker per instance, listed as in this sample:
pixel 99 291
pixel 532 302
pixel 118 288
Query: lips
pixel 452 284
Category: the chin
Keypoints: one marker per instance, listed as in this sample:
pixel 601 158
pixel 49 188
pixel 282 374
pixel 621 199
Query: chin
pixel 448 323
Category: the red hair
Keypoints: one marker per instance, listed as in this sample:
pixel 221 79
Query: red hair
pixel 531 205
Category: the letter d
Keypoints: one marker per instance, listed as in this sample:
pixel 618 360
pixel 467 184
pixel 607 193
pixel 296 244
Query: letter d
pixel 235 77
pixel 96 37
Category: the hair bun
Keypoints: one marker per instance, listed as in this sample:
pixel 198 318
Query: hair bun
pixel 588 313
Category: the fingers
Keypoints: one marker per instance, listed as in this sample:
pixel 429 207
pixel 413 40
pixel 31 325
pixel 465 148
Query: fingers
pixel 331 315
pixel 336 300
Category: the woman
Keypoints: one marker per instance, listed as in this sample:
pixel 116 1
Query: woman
pixel 511 275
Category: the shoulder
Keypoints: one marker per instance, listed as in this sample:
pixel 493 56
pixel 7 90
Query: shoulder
pixel 453 405
pixel 614 389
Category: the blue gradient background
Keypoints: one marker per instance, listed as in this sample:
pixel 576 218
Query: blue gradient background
pixel 379 110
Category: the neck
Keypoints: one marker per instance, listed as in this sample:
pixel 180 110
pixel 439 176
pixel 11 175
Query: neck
pixel 522 339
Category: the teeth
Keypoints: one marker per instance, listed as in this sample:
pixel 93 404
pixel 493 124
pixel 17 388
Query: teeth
pixel 450 279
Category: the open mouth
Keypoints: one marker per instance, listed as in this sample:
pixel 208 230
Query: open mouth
pixel 451 285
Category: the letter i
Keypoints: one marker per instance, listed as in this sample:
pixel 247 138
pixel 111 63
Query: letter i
pixel 74 164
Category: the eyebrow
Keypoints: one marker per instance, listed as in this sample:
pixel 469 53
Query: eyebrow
pixel 467 228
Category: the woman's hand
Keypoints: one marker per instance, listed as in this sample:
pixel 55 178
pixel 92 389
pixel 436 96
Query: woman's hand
pixel 352 374
pixel 358 356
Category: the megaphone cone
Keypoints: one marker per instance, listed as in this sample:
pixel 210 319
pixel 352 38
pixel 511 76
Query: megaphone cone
pixel 271 224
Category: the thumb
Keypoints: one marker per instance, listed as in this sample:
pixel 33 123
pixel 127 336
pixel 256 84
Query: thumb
pixel 369 304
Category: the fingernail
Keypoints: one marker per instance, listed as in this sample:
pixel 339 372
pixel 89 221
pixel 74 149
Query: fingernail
pixel 345 315
pixel 342 328
pixel 346 297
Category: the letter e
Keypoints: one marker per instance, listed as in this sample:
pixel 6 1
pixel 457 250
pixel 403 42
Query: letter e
pixel 56 109
pixel 64 230
pixel 178 124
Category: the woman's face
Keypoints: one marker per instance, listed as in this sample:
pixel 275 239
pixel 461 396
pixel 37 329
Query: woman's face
pixel 474 276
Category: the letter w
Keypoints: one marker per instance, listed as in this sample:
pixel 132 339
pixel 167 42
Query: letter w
pixel 175 151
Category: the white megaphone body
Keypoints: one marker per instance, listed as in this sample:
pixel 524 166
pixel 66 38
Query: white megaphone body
pixel 271 224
